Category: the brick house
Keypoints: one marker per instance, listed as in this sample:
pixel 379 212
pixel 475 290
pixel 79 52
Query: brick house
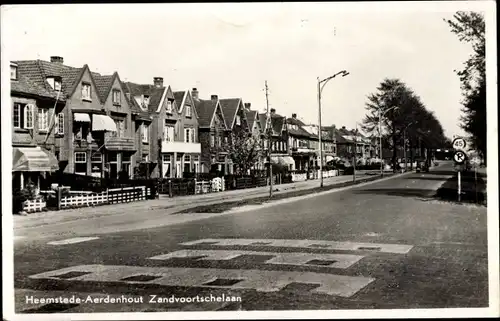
pixel 36 110
pixel 85 121
pixel 279 143
pixel 154 109
pixel 257 131
pixel 212 133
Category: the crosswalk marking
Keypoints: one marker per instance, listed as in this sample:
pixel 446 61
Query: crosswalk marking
pixel 263 281
pixel 72 240
pixel 329 245
pixel 340 261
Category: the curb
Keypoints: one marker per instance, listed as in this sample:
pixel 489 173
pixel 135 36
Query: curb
pixel 310 192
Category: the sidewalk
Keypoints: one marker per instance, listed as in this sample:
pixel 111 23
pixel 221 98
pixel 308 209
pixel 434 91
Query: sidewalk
pixel 171 204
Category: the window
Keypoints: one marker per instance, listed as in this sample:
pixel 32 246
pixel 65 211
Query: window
pixel 117 97
pixel 86 94
pixel 54 82
pixel 187 163
pixel 81 163
pixel 57 85
pixel 43 119
pixel 60 123
pixel 145 133
pixel 120 127
pixel 189 135
pixel 28 116
pixel 16 113
pixel 168 133
pixel 188 111
pixel 145 102
pixel 96 160
pixel 238 120
pixel 212 140
pixel 169 107
pixel 145 158
pixel 13 72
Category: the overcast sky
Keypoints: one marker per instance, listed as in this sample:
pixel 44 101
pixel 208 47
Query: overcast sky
pixel 231 49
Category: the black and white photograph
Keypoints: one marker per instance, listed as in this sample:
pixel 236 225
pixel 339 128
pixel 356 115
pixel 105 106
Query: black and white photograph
pixel 250 160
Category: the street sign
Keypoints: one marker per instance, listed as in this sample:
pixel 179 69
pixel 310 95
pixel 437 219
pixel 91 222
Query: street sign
pixel 459 157
pixel 459 143
pixel 475 161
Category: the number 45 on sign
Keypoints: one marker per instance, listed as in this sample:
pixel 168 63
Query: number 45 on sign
pixel 459 143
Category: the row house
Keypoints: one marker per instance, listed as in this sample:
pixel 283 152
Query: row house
pixel 257 131
pixel 328 142
pixel 302 144
pixel 166 129
pixel 275 126
pixel 213 134
pixel 35 109
pixel 85 126
pixel 236 122
pixel 352 142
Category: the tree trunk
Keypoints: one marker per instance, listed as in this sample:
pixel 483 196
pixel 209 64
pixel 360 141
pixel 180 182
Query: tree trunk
pixel 411 155
pixel 394 152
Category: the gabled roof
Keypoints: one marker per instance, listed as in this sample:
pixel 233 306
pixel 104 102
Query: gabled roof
pixel 262 118
pixel 277 123
pixel 252 117
pixel 104 84
pixel 206 110
pixel 155 94
pixel 300 131
pixel 229 108
pixel 24 85
pixel 134 106
pixel 179 98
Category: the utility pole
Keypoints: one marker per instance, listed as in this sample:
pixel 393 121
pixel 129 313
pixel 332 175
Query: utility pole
pixel 269 133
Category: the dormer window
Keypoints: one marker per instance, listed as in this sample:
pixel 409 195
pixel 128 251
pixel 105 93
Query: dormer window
pixel 238 120
pixel 145 101
pixel 55 83
pixel 13 71
pixel 169 107
pixel 117 97
pixel 188 111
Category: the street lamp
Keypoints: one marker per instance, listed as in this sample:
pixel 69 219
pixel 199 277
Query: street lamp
pixel 380 115
pixel 321 85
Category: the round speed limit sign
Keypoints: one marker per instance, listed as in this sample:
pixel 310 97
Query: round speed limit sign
pixel 459 143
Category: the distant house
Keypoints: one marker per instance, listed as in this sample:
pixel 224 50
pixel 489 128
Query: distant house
pixel 257 132
pixel 278 142
pixel 213 133
pixel 352 143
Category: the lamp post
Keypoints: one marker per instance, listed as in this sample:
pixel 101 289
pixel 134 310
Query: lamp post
pixel 321 85
pixel 380 115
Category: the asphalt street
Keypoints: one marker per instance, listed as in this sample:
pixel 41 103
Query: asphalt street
pixel 385 244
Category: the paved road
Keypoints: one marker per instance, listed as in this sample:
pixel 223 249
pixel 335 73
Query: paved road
pixel 380 245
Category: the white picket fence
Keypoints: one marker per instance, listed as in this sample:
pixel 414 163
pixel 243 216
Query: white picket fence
pixel 84 200
pixel 299 177
pixel 330 173
pixel 215 185
pixel 34 205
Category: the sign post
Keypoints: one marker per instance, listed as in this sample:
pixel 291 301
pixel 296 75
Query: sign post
pixel 459 157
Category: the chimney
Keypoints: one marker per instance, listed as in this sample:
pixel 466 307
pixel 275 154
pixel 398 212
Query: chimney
pixel 214 97
pixel 57 59
pixel 158 82
pixel 194 93
pixel 343 127
pixel 273 111
pixel 294 116
pixel 247 106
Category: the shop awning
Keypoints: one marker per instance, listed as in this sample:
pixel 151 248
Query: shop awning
pixel 81 118
pixel 329 158
pixel 103 123
pixel 33 159
pixel 283 160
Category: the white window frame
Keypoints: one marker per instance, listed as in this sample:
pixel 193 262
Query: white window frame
pixel 86 95
pixel 120 127
pixel 187 133
pixel 145 133
pixel 238 120
pixel 43 119
pixel 117 99
pixel 19 108
pixel 59 124
pixel 13 72
pixel 188 111
pixel 193 135
pixel 57 85
pixel 169 107
pixel 29 109
pixel 81 153
pixel 168 133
